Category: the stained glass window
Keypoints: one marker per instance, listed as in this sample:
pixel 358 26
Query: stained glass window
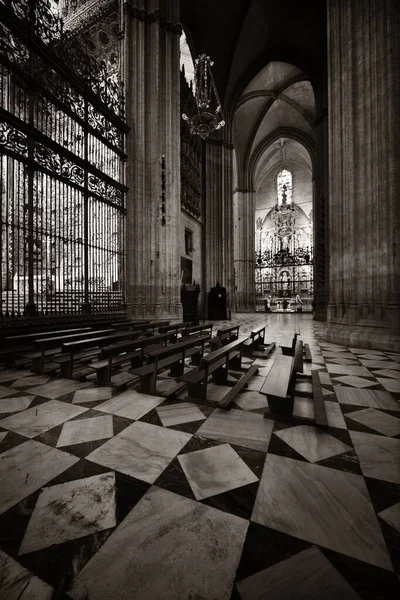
pixel 186 60
pixel 284 185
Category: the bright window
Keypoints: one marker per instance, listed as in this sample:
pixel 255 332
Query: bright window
pixel 284 186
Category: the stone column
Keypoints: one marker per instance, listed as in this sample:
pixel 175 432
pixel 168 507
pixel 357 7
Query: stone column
pixel 320 210
pixel 152 83
pixel 218 211
pixel 244 249
pixel 364 124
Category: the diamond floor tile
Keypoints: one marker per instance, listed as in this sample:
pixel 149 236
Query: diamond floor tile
pixel 141 450
pixel 238 427
pixel 85 430
pixel 379 456
pixel 392 516
pixel 195 547
pixel 358 382
pixel 312 443
pixel 16 404
pixel 37 420
pixel 324 506
pixel 215 470
pixel 306 575
pixel 182 412
pixel 71 510
pixel 362 397
pixel 376 419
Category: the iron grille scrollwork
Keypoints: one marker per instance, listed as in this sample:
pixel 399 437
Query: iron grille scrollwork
pixel 62 208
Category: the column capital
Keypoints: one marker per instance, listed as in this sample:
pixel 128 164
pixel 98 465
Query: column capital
pixel 151 17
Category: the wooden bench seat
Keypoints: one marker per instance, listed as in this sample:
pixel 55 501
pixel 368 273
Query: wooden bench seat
pixel 19 343
pixel 75 350
pixel 175 327
pixel 151 327
pixel 224 336
pixel 321 418
pixel 256 339
pixel 278 386
pixel 134 351
pixel 47 347
pixel 197 329
pixel 172 356
pixel 216 364
pixel 307 353
pixel 288 343
pixel 127 324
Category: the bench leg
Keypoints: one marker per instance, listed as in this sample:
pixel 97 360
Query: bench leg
pixel 38 364
pixel 66 368
pixel 197 390
pixel 248 351
pixel 196 358
pixel 177 368
pixel 280 406
pixel 236 363
pixel 103 375
pixel 220 375
pixel 136 361
pixel 147 383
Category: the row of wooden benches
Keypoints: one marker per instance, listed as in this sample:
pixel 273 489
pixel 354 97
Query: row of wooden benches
pixel 150 354
pixel 72 351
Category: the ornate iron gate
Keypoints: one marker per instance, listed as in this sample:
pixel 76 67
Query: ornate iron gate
pixel 62 206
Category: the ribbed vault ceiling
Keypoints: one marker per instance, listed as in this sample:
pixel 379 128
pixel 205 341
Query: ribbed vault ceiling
pixel 279 97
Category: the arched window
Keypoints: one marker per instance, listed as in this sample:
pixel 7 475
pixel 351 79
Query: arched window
pixel 284 187
pixel 186 60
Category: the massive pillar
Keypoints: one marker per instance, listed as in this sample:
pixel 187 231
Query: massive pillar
pixel 152 82
pixel 364 114
pixel 320 206
pixel 218 211
pixel 244 249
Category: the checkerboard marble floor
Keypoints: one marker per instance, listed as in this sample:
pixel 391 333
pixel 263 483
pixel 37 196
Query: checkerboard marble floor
pixel 107 495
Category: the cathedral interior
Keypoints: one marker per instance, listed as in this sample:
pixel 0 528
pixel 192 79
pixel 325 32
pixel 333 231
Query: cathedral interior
pixel 200 299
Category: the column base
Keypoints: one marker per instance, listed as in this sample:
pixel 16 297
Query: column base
pixel 370 338
pixel 320 315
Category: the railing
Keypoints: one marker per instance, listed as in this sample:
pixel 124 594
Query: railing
pixel 62 208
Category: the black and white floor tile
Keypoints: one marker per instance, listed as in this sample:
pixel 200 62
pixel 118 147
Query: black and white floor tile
pixel 125 495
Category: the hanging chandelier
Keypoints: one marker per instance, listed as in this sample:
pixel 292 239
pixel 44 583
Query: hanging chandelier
pixel 208 116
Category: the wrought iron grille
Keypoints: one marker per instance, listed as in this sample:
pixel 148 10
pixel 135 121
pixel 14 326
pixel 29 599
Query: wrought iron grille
pixel 282 276
pixel 62 206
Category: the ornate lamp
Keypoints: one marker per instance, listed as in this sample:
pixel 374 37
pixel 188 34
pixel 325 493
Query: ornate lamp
pixel 208 116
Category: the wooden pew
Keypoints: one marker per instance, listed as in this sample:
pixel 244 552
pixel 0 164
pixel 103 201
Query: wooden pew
pixel 18 343
pixel 307 353
pixel 175 328
pixel 127 324
pixel 197 329
pixel 134 351
pixel 279 389
pixel 321 418
pixel 172 356
pixel 254 342
pixel 150 326
pixel 279 385
pixel 217 364
pixel 288 343
pixel 50 345
pixel 224 336
pixel 85 350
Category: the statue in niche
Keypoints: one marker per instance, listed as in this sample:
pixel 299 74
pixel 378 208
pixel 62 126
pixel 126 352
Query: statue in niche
pixel 284 195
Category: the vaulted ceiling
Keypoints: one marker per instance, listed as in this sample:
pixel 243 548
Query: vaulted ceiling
pixel 276 108
pixel 242 36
